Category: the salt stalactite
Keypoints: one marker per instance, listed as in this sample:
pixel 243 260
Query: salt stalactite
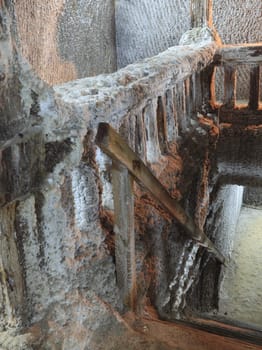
pixel 182 281
pixel 104 163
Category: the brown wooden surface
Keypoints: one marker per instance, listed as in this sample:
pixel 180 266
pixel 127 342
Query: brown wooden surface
pixel 239 54
pixel 124 229
pixel 114 146
pixel 254 88
pixel 201 13
pixel 229 87
pixel 242 116
pixel 185 337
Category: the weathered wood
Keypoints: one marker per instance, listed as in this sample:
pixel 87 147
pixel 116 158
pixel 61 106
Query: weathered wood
pixel 254 91
pixel 243 116
pixel 124 234
pixel 228 328
pixel 171 119
pixel 239 54
pixel 162 123
pixel 197 98
pixel 201 13
pixel 207 88
pixel 114 146
pixel 229 87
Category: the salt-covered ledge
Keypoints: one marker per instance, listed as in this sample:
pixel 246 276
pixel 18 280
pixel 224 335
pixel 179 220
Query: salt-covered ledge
pixel 110 97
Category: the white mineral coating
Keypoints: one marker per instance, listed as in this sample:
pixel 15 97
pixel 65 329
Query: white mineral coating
pixel 197 36
pixel 232 197
pixel 182 280
pixel 130 88
pixel 153 153
pixel 145 28
pixel 104 163
pixel 241 288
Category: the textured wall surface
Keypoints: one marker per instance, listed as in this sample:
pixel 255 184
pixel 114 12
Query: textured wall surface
pixel 65 40
pixel 147 27
pixel 238 21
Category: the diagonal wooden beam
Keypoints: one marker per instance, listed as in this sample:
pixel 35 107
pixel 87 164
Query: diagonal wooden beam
pixel 115 146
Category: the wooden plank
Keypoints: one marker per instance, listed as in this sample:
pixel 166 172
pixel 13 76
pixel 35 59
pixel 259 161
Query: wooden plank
pixel 207 88
pixel 114 146
pixel 239 54
pixel 201 13
pixel 162 123
pixel 229 87
pixel 124 234
pixel 254 91
pixel 227 328
pixel 243 116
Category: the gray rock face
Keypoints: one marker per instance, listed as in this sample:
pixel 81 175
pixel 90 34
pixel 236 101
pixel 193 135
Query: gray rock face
pixel 145 27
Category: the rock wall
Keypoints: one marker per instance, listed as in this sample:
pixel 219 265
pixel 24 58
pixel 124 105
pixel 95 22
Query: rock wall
pixel 222 218
pixel 145 28
pixel 238 21
pixel 57 268
pixel 253 196
pixel 66 40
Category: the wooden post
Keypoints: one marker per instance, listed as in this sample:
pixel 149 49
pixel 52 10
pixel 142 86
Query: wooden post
pixel 230 87
pixel 201 13
pixel 124 234
pixel 113 145
pixel 254 88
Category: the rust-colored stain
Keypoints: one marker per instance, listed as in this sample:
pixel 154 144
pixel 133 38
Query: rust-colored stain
pixel 37 28
pixel 182 337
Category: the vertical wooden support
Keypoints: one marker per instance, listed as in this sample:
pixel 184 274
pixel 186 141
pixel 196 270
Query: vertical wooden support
pixel 171 118
pixel 230 87
pixel 254 91
pixel 125 235
pixel 201 13
pixel 161 124
pixel 207 87
pixel 197 93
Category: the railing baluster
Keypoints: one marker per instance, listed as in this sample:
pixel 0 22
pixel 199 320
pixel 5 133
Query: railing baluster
pixel 230 87
pixel 161 123
pixel 254 88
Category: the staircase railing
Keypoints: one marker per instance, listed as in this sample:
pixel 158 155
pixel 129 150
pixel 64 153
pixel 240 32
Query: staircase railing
pixel 229 58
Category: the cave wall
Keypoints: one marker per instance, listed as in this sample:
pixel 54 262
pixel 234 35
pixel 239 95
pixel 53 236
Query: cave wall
pixel 253 196
pixel 57 240
pixel 66 40
pixel 58 282
pixel 222 218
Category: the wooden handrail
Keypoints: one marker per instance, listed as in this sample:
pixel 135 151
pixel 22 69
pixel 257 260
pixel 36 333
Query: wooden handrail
pixel 115 146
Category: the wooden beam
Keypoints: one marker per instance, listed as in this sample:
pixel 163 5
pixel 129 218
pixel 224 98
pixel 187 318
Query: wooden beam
pixel 201 13
pixel 254 90
pixel 229 87
pixel 113 145
pixel 243 116
pixel 239 54
pixel 124 229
